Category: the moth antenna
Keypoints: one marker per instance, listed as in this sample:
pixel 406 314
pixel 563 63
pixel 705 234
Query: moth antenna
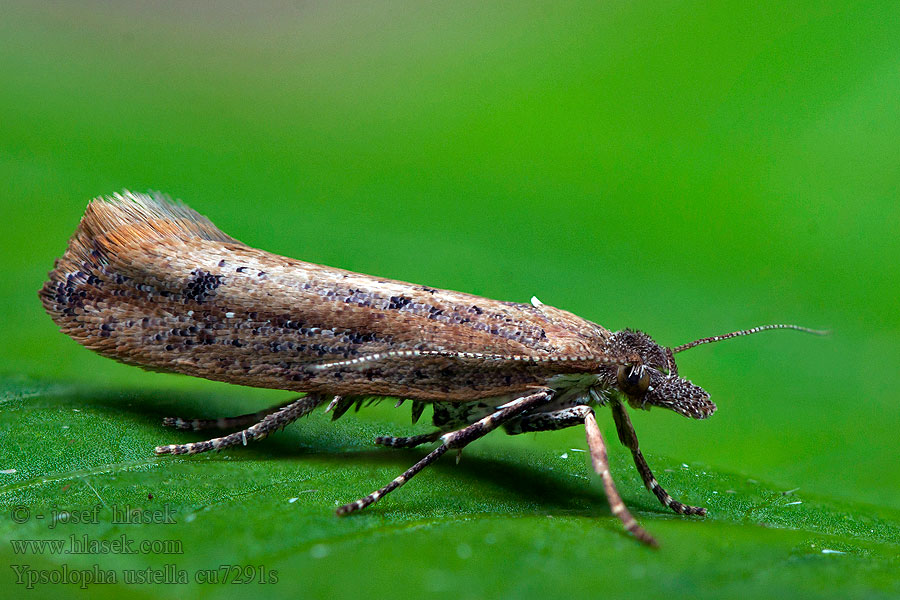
pixel 717 338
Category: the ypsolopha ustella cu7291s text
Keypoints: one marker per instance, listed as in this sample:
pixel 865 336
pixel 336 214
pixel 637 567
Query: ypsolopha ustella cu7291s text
pixel 153 283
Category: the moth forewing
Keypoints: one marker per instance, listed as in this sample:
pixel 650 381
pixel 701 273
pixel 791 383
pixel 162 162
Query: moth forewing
pixel 171 291
pixel 153 283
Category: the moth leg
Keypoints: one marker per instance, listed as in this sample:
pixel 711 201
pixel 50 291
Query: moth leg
pixel 270 423
pixel 223 423
pixel 577 415
pixel 455 440
pixel 601 466
pixel 547 421
pixel 408 442
pixel 628 437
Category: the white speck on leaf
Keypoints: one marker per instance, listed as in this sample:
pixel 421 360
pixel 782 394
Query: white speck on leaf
pixel 564 455
pixel 830 551
pixel 8 472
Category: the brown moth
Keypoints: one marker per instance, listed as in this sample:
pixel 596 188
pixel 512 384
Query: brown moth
pixel 152 283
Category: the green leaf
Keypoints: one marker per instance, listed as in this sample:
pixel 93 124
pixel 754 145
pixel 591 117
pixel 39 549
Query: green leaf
pixel 507 520
pixel 687 168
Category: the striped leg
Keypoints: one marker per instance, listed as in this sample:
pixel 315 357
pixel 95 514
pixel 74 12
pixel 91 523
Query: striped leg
pixel 577 415
pixel 222 423
pixel 628 437
pixel 270 423
pixel 601 466
pixel 456 440
pixel 548 421
pixel 408 442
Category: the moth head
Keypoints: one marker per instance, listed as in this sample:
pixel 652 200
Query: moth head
pixel 648 375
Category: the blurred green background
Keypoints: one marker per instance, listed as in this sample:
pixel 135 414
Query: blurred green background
pixel 685 168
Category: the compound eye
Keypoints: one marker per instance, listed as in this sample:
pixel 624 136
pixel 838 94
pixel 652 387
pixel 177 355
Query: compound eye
pixel 633 380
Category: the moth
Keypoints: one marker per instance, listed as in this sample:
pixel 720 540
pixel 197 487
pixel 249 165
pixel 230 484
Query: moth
pixel 152 283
